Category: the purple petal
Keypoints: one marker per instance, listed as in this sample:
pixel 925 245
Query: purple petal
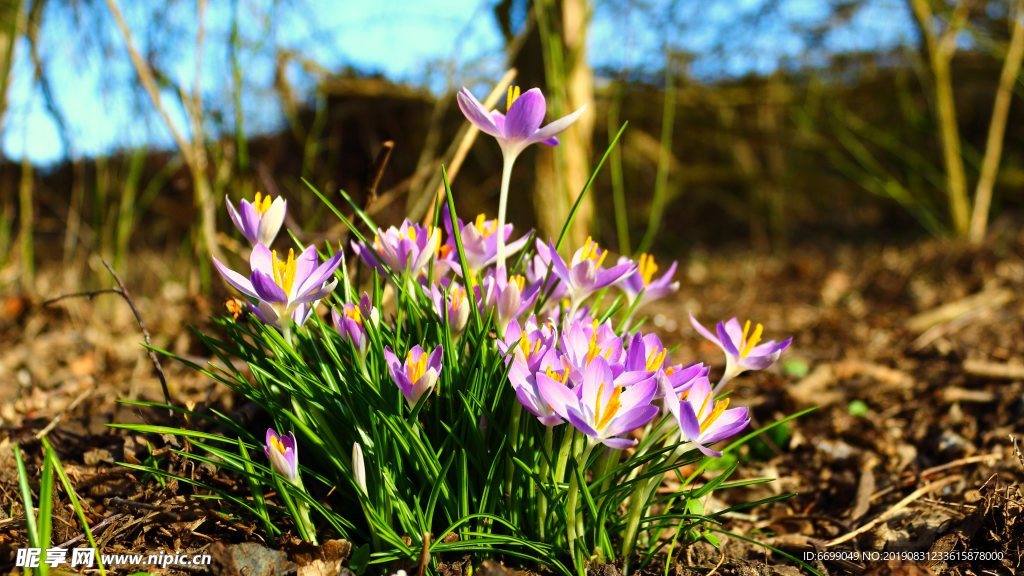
pixel 556 127
pixel 476 113
pixel 250 221
pixel 580 423
pixel 239 282
pixel 688 423
pixel 434 361
pixel 632 419
pixel 262 259
pixel 560 269
pixel 305 264
pixel 728 344
pixel 525 116
pixel 704 332
pixel 321 274
pixel 266 289
pixel 619 443
pixel 556 395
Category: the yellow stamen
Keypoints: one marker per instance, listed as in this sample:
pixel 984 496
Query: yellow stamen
pixel 276 444
pixel 610 409
pixel 593 350
pixel 647 267
pixel 354 314
pixel 747 344
pixel 715 413
pixel 284 270
pixel 592 251
pixel 261 203
pixel 556 376
pixel 456 296
pixel 486 227
pixel 513 95
pixel 654 361
pixel 411 233
pixel 518 281
pixel 415 368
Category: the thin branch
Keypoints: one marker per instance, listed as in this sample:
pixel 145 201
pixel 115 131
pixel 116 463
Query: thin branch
pixel 148 82
pixel 122 291
pixel 997 127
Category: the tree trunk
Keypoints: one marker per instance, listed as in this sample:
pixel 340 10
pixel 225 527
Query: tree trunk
pixel 562 173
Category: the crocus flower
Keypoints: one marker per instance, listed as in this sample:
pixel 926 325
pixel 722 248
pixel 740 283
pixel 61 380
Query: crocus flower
pixel 283 453
pixel 510 297
pixel 581 343
pixel 647 354
pixel 451 304
pixel 524 381
pixel 514 132
pixel 743 350
pixel 641 283
pixel 605 410
pixel 284 287
pixel 351 322
pixel 417 375
pixel 521 126
pixel 584 274
pixel 704 421
pixel 527 343
pixel 407 248
pixel 260 220
pixel 480 242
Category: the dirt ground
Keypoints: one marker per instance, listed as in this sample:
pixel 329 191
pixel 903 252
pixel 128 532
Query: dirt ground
pixel 914 356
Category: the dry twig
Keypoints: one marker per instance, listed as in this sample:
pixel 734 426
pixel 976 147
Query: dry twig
pixel 916 494
pixel 122 291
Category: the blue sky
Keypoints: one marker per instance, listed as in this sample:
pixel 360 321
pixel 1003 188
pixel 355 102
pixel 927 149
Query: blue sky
pixel 434 43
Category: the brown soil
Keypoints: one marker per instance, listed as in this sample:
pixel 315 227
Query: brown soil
pixel 913 355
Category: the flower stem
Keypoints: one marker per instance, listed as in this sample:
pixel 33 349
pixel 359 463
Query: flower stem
pixel 506 178
pixel 545 469
pixel 571 502
pixel 510 467
pixel 563 456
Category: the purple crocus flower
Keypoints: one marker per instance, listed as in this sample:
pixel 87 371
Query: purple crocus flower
pixel 521 126
pixel 604 409
pixel 284 288
pixel 417 375
pixel 581 343
pixel 514 132
pixel 704 421
pixel 480 242
pixel 283 454
pixel 584 274
pixel 407 248
pixel 527 343
pixel 743 350
pixel 451 304
pixel 647 354
pixel 260 220
pixel 510 298
pixel 641 283
pixel 351 322
pixel 523 378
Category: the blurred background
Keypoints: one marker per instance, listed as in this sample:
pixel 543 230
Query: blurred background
pixel 757 124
